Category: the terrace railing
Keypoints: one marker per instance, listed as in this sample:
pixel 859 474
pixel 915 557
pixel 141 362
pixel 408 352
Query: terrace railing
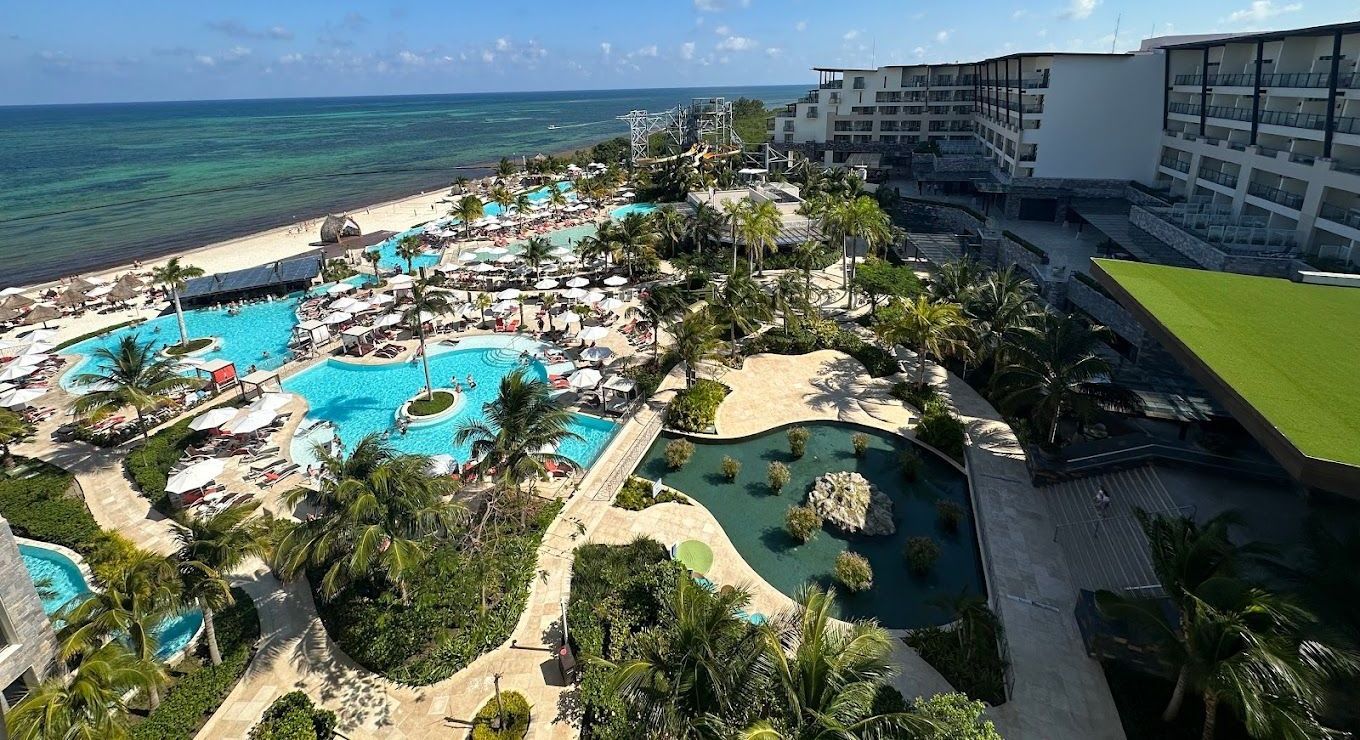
pixel 652 419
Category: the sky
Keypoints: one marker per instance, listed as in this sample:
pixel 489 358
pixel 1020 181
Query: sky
pixel 78 51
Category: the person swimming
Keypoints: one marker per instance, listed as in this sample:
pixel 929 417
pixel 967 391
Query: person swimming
pixel 472 382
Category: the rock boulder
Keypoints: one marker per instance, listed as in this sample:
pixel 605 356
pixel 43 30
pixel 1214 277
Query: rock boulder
pixel 850 503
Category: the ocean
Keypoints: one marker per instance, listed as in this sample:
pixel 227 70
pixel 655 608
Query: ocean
pixel 90 186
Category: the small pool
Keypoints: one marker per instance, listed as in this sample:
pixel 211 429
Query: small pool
pixel 754 519
pixel 59 580
pixel 360 400
pixel 621 211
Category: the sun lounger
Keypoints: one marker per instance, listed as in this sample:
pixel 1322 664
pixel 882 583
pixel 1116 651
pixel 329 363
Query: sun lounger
pixel 557 469
pixel 275 476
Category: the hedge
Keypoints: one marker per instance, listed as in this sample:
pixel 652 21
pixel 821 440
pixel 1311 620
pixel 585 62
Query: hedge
pixel 38 507
pixel 941 429
pixel 1025 243
pixel 877 361
pixel 195 696
pixel 636 495
pixel 93 334
pixel 149 465
pixel 695 408
pixel 293 716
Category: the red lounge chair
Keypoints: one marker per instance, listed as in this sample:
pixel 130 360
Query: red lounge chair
pixel 557 469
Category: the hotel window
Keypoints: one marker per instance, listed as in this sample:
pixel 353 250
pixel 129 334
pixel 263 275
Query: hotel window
pixel 859 83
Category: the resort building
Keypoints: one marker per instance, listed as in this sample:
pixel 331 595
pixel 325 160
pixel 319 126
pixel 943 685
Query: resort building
pixel 28 646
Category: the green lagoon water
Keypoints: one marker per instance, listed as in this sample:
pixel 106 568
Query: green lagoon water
pixel 89 186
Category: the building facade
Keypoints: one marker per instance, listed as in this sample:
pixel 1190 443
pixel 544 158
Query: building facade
pixel 28 646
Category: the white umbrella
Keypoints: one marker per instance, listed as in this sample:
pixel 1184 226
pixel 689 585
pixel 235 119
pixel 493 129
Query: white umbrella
pixel 609 304
pixel 6 387
pixel 340 289
pixel 615 281
pixel 582 379
pixel 484 267
pixel 343 304
pixel 571 317
pixel 7 292
pixel 467 257
pixel 596 354
pixel 545 284
pixel 574 294
pixel 16 371
pixel 493 227
pixel 270 402
pixel 21 397
pixel 386 320
pixel 442 465
pixel 100 291
pixel 509 294
pixel 506 259
pixel 251 421
pixel 400 281
pixel 382 299
pixel 503 306
pixel 213 418
pixel 568 258
pixel 426 317
pixel 31 360
pixel 195 476
pixel 560 251
pixel 577 282
pixel 360 307
pixel 594 297
pixel 593 334
pixel 495 251
pixel 38 348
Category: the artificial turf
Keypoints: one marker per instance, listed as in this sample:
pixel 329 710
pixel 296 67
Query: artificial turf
pixel 1292 350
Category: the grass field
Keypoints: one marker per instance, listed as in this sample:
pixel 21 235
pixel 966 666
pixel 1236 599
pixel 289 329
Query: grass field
pixel 1291 350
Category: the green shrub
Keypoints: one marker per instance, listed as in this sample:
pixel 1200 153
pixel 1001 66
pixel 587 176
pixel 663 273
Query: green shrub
pixel 649 373
pixel 149 465
pixel 950 514
pixel 176 350
pixel 941 429
pixel 860 441
pixel 38 506
pixel 422 407
pixel 293 716
pixel 730 467
pixel 678 452
pixel 916 394
pixel 854 572
pixel 911 463
pixel 802 523
pixel 777 476
pixel 968 656
pixel 879 362
pixel 93 334
pixel 955 717
pixel 516 711
pixel 636 495
pixel 798 439
pixel 695 408
pixel 921 554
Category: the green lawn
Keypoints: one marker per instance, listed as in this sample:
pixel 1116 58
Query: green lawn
pixel 1291 350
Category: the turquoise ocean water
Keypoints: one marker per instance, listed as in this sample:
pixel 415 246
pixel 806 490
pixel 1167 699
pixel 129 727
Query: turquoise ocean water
pixel 88 186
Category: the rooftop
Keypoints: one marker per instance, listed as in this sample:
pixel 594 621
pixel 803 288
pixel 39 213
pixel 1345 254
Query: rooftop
pixel 1269 349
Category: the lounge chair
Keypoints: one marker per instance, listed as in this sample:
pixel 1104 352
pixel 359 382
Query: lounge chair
pixel 557 469
pixel 274 477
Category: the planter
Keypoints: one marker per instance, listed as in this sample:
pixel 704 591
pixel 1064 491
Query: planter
pixel 213 344
pixel 404 413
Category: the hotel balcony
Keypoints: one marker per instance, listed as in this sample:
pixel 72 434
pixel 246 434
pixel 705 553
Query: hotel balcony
pixel 1217 176
pixel 1179 165
pixel 1307 80
pixel 1338 215
pixel 1276 195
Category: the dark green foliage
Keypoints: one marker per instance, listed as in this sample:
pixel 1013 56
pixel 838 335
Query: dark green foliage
pixel 610 151
pixel 678 452
pixel 36 503
pixel 950 513
pixel 293 716
pixel 921 554
pixel 798 439
pixel 956 717
pixel 877 279
pixel 854 572
pixel 777 475
pixel 941 429
pixel 860 442
pixel 911 463
pixel 92 335
pixel 694 409
pixel 968 656
pixel 514 707
pixel 193 346
pixel 730 467
pixel 421 407
pixel 636 495
pixel 649 373
pixel 336 270
pixel 195 696
pixel 878 361
pixel 802 523
pixel 916 394
pixel 149 465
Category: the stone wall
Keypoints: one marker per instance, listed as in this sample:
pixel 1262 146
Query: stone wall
pixel 1009 252
pixel 27 630
pixel 1209 256
pixel 1105 310
pixel 1140 198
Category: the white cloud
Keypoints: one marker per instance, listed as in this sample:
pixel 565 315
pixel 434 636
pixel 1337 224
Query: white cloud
pixel 851 35
pixel 942 36
pixel 687 50
pixel 708 6
pixel 800 26
pixel 773 51
pixel 1042 32
pixel 920 52
pixel 1017 15
pixel 606 47
pixel 410 58
pixel 292 58
pixel 1079 9
pixel 736 43
pixel 502 44
pixel 646 51
pixel 488 57
pixel 1261 10
pixel 205 60
pixel 723 31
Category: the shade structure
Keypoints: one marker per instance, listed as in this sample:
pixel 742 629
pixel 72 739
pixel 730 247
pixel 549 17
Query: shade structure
pixel 8 314
pixel 584 379
pixel 123 292
pixel 270 402
pixel 400 281
pixel 467 257
pixel 509 294
pixel 213 418
pixel 442 465
pixel 250 421
pixel 38 347
pixel 596 354
pixel 386 320
pixel 15 371
pixel 195 476
pixel 577 282
pixel 610 304
pixel 493 227
pixel 382 299
pixel 545 284
pixel 506 259
pixel 575 294
pixel 495 251
pixel 80 284
pixel 484 267
pixel 593 334
pixel 7 292
pixel 571 317
pixel 615 281
pixel 41 315
pixel 100 291
pixel 360 307
pixel 28 360
pixel 472 312
pixel 344 304
pixel 594 297
pixel 42 335
pixel 568 258
pixel 20 397
pixel 129 280
pixel 337 317
pixel 340 289
pixel 560 251
pixel 694 555
pixel 426 317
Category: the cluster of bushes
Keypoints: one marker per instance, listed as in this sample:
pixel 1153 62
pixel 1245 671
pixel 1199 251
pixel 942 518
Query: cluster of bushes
pixel 777 476
pixel 921 554
pixel 648 375
pixel 464 600
pixel 293 716
pixel 854 572
pixel 149 465
pixel 93 334
pixel 636 495
pixel 916 394
pixel 678 453
pixel 968 654
pixel 911 462
pixel 878 361
pixel 114 435
pixel 35 498
pixel 730 467
pixel 802 523
pixel 798 439
pixel 513 708
pixel 941 429
pixel 950 515
pixel 199 692
pixel 694 409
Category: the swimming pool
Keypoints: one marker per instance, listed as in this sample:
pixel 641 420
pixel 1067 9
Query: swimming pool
pixel 362 399
pixel 621 211
pixel 753 518
pixel 59 580
pixel 258 336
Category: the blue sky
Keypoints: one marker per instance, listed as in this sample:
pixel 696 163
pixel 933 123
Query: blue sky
pixel 62 51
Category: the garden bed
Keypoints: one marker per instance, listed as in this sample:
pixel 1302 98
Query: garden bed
pixel 40 503
pixel 149 465
pixel 968 655
pixel 694 409
pixel 636 495
pixel 440 401
pixel 192 347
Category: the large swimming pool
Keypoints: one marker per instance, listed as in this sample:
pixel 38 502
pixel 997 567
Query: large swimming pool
pixel 59 580
pixel 363 399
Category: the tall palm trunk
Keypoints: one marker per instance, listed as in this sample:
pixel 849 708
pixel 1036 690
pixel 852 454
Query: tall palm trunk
pixel 1173 707
pixel 146 437
pixel 1210 715
pixel 210 632
pixel 734 249
pixel 179 316
pixel 424 358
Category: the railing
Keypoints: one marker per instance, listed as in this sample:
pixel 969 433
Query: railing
pixel 788 125
pixel 1180 165
pixel 809 98
pixel 1297 79
pixel 1229 112
pixel 1345 216
pixel 832 85
pixel 914 82
pixel 1276 195
pixel 1347 125
pixel 1218 176
pixel 811 113
pixel 1031 83
pixel 1297 120
pixel 632 455
pixel 1188 80
pixel 1274 79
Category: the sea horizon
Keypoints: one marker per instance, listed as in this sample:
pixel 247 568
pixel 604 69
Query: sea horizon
pixel 98 185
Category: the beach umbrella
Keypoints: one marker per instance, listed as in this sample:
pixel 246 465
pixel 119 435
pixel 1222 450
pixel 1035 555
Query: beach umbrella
pixel 80 284
pixel 360 307
pixel 426 317
pixel 213 418
pixel 493 227
pixel 386 320
pixel 467 257
pixel 593 334
pixel 340 289
pixel 545 284
pixel 382 299
pixel 509 294
pixel 484 267
pixel 609 304
pixel 130 280
pixel 596 354
pixel 338 317
pixel 495 251
pixel 442 465
pixel 503 306
pixel 6 387
pixel 615 281
pixel 271 402
pixel 15 371
pixel 584 379
pixel 21 397
pixel 17 301
pixel 560 251
pixel 571 317
pixel 42 335
pixel 101 291
pixel 123 292
pixel 41 315
pixel 575 294
pixel 33 360
pixel 568 258
pixel 38 347
pixel 8 314
pixel 196 476
pixel 577 282
pixel 506 259
pixel 400 281
pixel 594 297
pixel 343 304
pixel 472 312
pixel 71 297
pixel 10 343
pixel 7 292
pixel 250 421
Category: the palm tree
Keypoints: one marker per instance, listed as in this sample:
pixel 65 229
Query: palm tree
pixel 425 305
pixel 505 168
pixel 376 514
pixel 860 219
pixel 760 228
pixel 1053 368
pixel 807 255
pixel 209 549
pixel 660 302
pixel 460 184
pixel 931 329
pixel 735 213
pixel 670 227
pixel 469 209
pixel 790 295
pixel 827 676
pixel 140 590
pixel 537 250
pixel 129 374
pixel 694 339
pixel 956 282
pixel 812 209
pixel 523 204
pixel 633 237
pixel 173 277
pixel 557 199
pixel 92 703
pixel 408 249
pixel 996 306
pixel 705 227
pixel 374 257
pixel 741 304
pixel 12 429
pixel 501 196
pixel 518 431
pixel 699 674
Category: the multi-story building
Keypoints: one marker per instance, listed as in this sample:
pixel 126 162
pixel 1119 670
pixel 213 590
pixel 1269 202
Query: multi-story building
pixel 27 644
pixel 1261 134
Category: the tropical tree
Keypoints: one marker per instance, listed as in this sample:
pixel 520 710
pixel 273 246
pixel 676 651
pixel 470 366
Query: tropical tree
pixel 996 306
pixel 501 196
pixel 790 296
pixel 537 250
pixel 931 329
pixel 658 304
pixel 425 305
pixel 408 249
pixel 740 304
pixel 90 704
pixel 557 200
pixel 460 184
pixel 1053 368
pixel 670 229
pixel 859 219
pixel 173 276
pixel 705 226
pixel 129 374
pixel 374 257
pixel 808 255
pixel 376 515
pixel 13 428
pixel 140 590
pixel 956 282
pixel 523 204
pixel 694 339
pixel 735 213
pixel 505 168
pixel 469 209
pixel 827 676
pixel 211 547
pixel 633 237
pixel 811 209
pixel 760 224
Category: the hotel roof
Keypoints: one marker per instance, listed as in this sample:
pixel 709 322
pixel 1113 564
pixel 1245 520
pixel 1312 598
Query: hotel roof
pixel 1348 27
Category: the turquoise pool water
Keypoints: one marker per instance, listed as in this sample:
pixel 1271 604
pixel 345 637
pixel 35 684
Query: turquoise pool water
pixel 59 580
pixel 754 519
pixel 622 211
pixel 362 399
pixel 257 336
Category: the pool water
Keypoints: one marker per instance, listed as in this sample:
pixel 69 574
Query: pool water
pixel 753 519
pixel 59 580
pixel 363 399
pixel 618 213
pixel 258 329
